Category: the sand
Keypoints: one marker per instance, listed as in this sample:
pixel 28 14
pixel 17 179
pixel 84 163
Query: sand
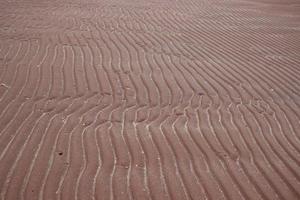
pixel 160 99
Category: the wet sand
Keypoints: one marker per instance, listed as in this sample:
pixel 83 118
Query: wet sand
pixel 161 99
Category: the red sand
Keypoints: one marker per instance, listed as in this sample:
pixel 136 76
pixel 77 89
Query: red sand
pixel 181 99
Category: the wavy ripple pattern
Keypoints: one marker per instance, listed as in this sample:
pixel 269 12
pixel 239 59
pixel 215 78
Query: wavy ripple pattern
pixel 160 100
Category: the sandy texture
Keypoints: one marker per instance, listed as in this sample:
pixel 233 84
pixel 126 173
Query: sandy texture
pixel 139 99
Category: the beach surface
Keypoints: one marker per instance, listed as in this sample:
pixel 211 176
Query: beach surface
pixel 150 99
